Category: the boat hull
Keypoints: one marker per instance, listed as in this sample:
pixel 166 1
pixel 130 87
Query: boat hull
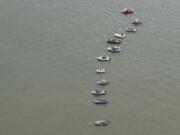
pixel 101 123
pixel 100 102
pixel 104 59
pixel 110 49
pixel 113 41
pixel 98 92
pixel 131 30
pixel 102 83
pixel 101 70
pixel 119 36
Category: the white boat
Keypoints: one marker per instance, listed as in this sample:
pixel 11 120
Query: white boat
pixel 103 82
pixel 137 22
pixel 101 70
pixel 103 58
pixel 98 92
pixel 119 35
pixel 101 122
pixel 114 49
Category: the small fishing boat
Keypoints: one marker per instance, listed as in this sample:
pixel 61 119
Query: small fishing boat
pixel 100 101
pixel 119 35
pixel 101 122
pixel 98 92
pixel 114 49
pixel 103 82
pixel 127 11
pixel 137 22
pixel 113 41
pixel 101 70
pixel 103 58
pixel 131 30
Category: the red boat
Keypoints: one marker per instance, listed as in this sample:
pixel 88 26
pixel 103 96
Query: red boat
pixel 127 11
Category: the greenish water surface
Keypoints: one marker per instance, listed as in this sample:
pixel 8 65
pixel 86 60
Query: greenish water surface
pixel 48 51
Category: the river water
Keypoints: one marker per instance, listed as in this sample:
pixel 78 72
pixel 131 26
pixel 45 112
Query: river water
pixel 48 51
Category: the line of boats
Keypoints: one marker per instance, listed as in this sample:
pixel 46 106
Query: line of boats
pixel 114 48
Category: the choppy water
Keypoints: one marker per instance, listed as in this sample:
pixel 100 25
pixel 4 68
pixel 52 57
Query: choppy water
pixel 48 51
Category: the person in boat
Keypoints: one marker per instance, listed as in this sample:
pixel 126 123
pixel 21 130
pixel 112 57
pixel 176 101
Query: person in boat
pixel 113 48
